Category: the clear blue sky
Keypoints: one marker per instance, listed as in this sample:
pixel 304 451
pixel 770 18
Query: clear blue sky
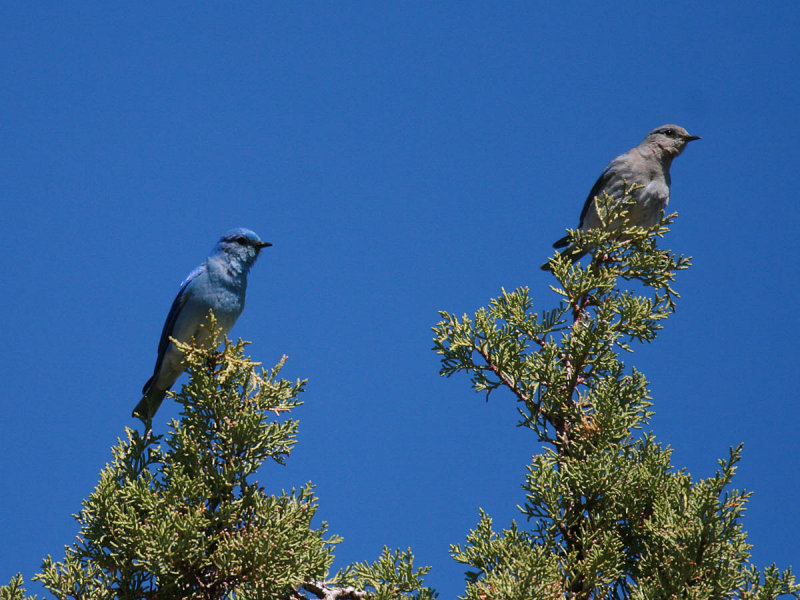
pixel 403 158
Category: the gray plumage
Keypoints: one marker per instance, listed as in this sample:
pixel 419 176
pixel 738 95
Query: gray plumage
pixel 218 284
pixel 646 165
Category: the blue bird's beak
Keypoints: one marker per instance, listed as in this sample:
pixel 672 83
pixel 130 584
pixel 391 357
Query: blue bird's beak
pixel 260 245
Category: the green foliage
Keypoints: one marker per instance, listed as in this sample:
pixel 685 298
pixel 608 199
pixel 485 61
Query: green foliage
pixel 181 516
pixel 391 577
pixel 508 565
pixel 606 513
pixel 609 516
pixel 14 590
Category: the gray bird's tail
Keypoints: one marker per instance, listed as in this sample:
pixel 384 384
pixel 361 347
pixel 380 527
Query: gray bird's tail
pixel 562 242
pixel 571 253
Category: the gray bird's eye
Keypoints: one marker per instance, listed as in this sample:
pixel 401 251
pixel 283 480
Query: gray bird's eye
pixel 669 132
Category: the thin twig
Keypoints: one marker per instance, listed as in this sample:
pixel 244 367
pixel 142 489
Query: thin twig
pixel 325 592
pixel 503 377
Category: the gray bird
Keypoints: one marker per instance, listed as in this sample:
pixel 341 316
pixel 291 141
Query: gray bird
pixel 218 284
pixel 646 165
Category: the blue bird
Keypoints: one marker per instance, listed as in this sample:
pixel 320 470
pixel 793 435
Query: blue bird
pixel 218 284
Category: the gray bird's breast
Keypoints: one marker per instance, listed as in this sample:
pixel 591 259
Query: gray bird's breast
pixel 651 202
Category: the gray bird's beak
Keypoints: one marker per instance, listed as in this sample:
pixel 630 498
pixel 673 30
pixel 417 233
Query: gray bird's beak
pixel 261 245
pixel 691 138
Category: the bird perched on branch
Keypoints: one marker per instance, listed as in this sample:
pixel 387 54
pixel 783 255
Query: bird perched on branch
pixel 219 284
pixel 646 165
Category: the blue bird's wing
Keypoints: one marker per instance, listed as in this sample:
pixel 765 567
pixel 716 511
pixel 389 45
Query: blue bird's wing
pixel 169 324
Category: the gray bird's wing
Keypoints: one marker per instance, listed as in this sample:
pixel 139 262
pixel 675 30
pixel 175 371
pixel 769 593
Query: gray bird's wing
pixel 597 189
pixel 601 184
pixel 169 324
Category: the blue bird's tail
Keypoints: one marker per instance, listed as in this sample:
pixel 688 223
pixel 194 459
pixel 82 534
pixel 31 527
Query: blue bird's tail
pixel 148 405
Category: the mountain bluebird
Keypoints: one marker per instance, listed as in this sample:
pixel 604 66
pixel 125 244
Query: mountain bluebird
pixel 218 284
pixel 646 165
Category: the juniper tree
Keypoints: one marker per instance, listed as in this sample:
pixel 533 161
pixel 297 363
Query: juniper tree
pixel 605 513
pixel 181 515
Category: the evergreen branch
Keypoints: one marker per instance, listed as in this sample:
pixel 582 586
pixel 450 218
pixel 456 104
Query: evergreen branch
pixel 507 381
pixel 611 517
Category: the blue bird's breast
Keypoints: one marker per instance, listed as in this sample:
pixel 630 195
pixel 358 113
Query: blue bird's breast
pixel 226 299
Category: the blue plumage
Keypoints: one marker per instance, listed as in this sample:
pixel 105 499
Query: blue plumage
pixel 219 284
